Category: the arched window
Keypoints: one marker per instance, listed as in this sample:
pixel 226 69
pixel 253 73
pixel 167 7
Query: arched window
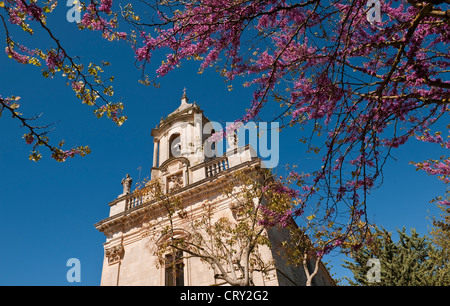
pixel 213 145
pixel 174 269
pixel 174 265
pixel 175 145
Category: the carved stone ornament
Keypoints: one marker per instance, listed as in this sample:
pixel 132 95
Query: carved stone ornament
pixel 175 182
pixel 114 254
pixel 237 210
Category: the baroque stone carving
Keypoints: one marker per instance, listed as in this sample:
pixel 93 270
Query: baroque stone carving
pixel 175 182
pixel 237 210
pixel 114 254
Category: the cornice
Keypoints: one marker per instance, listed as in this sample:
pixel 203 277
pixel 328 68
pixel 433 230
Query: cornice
pixel 186 116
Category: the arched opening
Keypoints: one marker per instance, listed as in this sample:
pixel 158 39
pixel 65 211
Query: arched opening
pixel 213 145
pixel 174 264
pixel 174 269
pixel 175 145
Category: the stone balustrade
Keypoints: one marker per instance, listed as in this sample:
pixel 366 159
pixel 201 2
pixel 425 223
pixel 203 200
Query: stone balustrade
pixel 133 200
pixel 216 166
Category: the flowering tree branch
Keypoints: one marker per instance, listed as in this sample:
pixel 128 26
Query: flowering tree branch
pixel 358 88
pixel 88 85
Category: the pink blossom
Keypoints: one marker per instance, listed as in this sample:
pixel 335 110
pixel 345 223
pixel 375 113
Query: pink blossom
pixel 23 59
pixel 54 60
pixel 105 6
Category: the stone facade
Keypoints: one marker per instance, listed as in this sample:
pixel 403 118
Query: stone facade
pixel 180 162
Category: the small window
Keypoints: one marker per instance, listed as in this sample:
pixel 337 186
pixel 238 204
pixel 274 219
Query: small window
pixel 174 275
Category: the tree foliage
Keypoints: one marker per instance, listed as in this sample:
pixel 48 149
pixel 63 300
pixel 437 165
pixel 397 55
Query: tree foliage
pixel 440 237
pixel 411 261
pixel 86 80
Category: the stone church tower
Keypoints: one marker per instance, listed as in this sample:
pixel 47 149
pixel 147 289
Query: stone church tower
pixel 183 166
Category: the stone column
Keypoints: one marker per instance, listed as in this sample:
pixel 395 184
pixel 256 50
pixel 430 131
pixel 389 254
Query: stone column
pixel 186 175
pixel 155 153
pixel 184 139
pixel 197 136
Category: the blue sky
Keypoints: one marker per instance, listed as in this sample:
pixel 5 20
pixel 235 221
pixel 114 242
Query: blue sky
pixel 48 209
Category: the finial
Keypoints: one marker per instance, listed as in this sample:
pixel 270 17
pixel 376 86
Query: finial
pixel 184 98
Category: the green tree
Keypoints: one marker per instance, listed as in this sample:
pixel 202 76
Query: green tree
pixel 411 261
pixel 440 236
pixel 440 232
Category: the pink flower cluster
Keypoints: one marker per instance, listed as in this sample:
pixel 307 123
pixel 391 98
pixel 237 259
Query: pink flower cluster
pixel 439 168
pixel 280 188
pixel 54 59
pixel 229 130
pixel 105 6
pixel 61 155
pixel 271 218
pixel 92 20
pixel 77 86
pixel 18 6
pixel 20 58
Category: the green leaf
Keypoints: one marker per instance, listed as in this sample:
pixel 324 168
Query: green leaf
pixel 35 156
pixel 310 217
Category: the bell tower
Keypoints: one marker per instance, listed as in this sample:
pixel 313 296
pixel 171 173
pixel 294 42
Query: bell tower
pixel 178 144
